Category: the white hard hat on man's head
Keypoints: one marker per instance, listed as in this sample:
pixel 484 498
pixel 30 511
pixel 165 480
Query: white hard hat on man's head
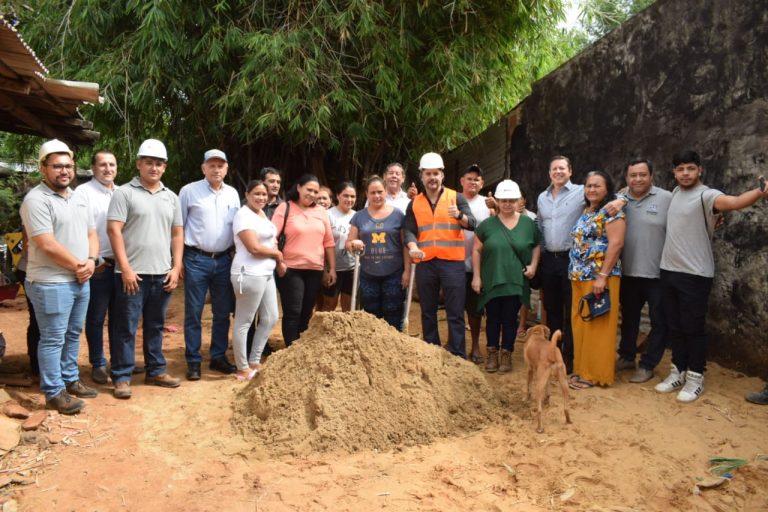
pixel 152 148
pixel 507 189
pixel 431 161
pixel 53 146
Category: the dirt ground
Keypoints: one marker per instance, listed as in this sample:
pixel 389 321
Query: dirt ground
pixel 629 449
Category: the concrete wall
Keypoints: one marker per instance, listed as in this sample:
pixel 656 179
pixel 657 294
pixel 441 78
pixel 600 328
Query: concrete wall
pixel 682 74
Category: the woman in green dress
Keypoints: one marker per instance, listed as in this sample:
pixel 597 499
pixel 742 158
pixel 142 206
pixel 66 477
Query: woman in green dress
pixel 504 256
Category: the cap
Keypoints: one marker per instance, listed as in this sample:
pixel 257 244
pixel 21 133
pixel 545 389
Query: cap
pixel 214 153
pixel 431 161
pixel 473 168
pixel 507 189
pixel 53 146
pixel 152 148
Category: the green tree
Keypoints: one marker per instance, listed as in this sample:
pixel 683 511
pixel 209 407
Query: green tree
pixel 598 17
pixel 333 87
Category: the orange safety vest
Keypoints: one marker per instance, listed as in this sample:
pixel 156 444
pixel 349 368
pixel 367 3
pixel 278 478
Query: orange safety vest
pixel 439 234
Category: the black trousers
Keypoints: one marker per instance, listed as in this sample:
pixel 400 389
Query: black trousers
pixel 557 299
pixel 686 297
pixel 298 292
pixel 634 293
pixel 33 331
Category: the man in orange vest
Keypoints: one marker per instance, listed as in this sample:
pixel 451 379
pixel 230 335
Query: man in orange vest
pixel 434 221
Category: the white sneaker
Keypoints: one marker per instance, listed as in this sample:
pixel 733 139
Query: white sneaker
pixel 694 387
pixel 674 380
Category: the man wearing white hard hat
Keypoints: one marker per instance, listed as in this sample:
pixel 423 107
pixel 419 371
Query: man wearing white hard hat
pixel 208 207
pixel 63 253
pixel 144 224
pixel 434 224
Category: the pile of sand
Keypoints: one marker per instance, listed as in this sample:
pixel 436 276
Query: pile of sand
pixel 352 383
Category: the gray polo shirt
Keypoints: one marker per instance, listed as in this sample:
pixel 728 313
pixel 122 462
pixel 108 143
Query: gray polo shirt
pixel 558 215
pixel 148 219
pixel 690 224
pixel 646 231
pixel 44 211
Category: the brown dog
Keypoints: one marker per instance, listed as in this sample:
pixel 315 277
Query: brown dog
pixel 543 357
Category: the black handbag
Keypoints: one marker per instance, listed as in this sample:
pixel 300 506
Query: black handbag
pixel 592 306
pixel 281 236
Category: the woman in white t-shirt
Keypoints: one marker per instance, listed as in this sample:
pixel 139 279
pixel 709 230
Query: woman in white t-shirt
pixel 255 261
pixel 340 217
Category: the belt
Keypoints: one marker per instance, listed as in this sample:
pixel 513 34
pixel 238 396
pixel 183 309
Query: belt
pixel 212 255
pixel 108 262
pixel 558 254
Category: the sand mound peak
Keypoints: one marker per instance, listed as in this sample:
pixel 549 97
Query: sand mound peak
pixel 352 382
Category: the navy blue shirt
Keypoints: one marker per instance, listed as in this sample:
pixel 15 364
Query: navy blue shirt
pixel 383 248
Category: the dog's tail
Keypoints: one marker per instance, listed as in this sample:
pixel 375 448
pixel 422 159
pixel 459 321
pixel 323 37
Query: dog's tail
pixel 555 338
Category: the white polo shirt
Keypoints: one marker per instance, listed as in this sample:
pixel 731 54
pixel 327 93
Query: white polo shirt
pixel 98 196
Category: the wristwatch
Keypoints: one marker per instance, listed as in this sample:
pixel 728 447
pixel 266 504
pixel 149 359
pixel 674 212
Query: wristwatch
pixel 97 261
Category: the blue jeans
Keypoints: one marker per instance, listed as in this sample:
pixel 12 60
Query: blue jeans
pixel 150 303
pixel 102 285
pixel 60 312
pixel 634 293
pixel 431 276
pixel 202 273
pixel 383 297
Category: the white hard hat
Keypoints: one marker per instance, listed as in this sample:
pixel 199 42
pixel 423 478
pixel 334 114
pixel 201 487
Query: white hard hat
pixel 431 161
pixel 214 153
pixel 53 146
pixel 152 148
pixel 507 189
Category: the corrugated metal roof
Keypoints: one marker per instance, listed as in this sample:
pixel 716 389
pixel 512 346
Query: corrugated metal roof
pixel 34 104
pixel 488 150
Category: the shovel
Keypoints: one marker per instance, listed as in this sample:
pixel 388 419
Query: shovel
pixel 355 280
pixel 409 299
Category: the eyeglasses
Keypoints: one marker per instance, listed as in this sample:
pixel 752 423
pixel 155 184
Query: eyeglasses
pixel 60 167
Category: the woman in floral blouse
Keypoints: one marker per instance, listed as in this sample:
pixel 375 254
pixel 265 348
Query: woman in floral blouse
pixel 595 268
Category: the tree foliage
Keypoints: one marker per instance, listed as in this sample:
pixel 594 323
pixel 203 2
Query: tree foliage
pixel 598 17
pixel 345 84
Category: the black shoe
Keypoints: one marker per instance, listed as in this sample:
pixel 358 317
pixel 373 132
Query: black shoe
pixel 758 397
pixel 193 371
pixel 99 374
pixel 65 403
pixel 222 365
pixel 80 390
